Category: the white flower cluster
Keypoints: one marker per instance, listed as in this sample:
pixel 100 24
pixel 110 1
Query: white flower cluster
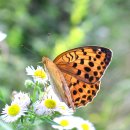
pixel 50 102
pixel 45 105
pixel 17 108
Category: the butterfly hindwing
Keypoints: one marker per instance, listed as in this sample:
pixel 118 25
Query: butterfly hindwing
pixel 81 92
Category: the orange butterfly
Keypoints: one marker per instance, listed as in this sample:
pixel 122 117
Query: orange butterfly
pixel 76 73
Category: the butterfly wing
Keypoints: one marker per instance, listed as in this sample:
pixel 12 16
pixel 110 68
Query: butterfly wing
pixel 86 64
pixel 58 82
pixel 82 93
pixel 83 68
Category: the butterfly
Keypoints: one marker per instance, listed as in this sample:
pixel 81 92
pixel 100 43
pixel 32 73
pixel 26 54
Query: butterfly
pixel 76 74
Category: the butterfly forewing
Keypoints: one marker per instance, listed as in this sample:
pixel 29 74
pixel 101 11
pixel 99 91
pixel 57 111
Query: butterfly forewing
pixel 86 64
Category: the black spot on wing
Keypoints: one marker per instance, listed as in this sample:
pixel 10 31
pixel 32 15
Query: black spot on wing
pixel 82 61
pixel 78 72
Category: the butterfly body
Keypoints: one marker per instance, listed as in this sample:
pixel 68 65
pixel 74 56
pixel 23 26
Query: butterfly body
pixel 79 73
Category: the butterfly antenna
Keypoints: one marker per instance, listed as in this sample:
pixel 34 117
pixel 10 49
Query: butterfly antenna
pixel 30 52
pixel 27 49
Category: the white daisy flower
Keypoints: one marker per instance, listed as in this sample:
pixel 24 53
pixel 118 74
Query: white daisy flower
pixel 85 125
pixel 38 74
pixel 2 36
pixel 61 106
pixel 22 98
pixel 46 106
pixel 65 123
pixel 13 112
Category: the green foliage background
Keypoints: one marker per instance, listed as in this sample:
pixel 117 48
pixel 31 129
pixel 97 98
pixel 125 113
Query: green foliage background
pixel 37 28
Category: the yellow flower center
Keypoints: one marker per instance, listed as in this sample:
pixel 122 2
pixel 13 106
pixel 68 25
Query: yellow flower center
pixel 50 103
pixel 40 73
pixel 64 123
pixel 85 126
pixel 13 110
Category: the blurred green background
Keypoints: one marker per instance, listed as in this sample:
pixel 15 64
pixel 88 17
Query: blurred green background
pixel 37 28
